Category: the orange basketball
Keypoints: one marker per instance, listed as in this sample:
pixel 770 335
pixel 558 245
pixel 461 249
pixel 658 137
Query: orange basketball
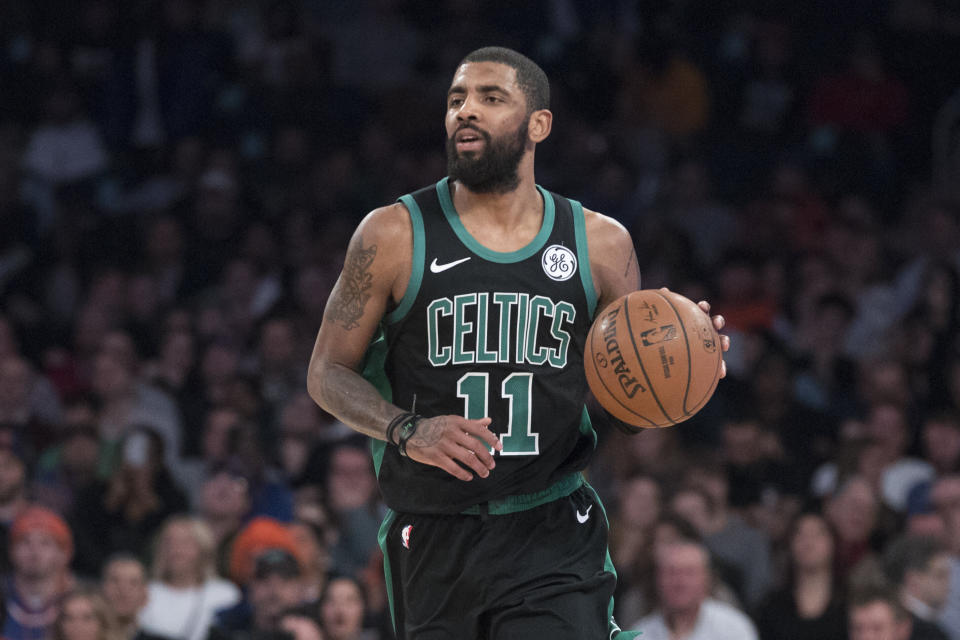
pixel 653 358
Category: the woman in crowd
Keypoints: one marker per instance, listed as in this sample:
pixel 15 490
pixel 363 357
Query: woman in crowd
pixel 185 592
pixel 341 610
pixel 810 605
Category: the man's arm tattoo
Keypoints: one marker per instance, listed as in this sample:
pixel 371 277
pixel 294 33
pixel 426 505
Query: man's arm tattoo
pixel 429 432
pixel 355 282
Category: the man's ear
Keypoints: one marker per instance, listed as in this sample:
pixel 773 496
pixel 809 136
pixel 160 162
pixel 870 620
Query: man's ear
pixel 539 125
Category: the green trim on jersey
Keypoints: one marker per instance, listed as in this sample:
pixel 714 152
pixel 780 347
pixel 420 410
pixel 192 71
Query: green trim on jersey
pixel 512 504
pixel 616 633
pixel 586 426
pixel 388 574
pixel 373 371
pixel 503 257
pixel 416 267
pixel 583 255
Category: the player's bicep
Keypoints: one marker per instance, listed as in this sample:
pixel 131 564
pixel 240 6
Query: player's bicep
pixel 356 304
pixel 613 259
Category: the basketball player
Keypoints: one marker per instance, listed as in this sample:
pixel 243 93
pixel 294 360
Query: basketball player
pixel 454 337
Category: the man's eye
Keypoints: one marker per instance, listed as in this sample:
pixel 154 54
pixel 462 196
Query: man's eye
pixel 455 102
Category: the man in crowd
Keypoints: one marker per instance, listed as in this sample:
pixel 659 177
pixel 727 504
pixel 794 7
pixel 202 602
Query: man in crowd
pixel 876 614
pixel 685 610
pixel 124 584
pixel 41 546
pixel 919 568
pixel 275 586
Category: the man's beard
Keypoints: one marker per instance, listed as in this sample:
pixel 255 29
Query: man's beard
pixel 494 170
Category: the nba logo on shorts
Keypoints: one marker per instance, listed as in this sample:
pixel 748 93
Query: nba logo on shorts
pixel 405 535
pixel 559 263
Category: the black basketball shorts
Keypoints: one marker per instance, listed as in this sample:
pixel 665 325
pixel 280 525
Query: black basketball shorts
pixel 541 571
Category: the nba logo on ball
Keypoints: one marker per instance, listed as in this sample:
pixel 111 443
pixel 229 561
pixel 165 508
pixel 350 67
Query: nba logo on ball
pixel 559 263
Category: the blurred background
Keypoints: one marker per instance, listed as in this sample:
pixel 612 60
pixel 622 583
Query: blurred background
pixel 178 183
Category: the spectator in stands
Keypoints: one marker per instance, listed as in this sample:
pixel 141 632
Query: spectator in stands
pixel 269 493
pixel 266 560
pixel 342 609
pixel 810 606
pixel 281 371
pixel 185 592
pixel 888 427
pixel 34 426
pixel 300 431
pixel 631 527
pixel 67 148
pixel 210 446
pixel 84 615
pixel 315 557
pixel 919 569
pixel 940 441
pixel 684 608
pixel 126 401
pixel 876 614
pixel 41 547
pixel 124 512
pixel 945 499
pixel 124 585
pixel 174 372
pixel 738 547
pixel 302 622
pixel 13 498
pixel 852 512
pixel 352 496
pixel 66 470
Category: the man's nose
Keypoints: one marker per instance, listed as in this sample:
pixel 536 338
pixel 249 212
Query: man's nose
pixel 468 110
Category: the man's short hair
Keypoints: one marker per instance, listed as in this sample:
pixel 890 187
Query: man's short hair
pixel 531 78
pixel 125 557
pixel 909 553
pixel 873 593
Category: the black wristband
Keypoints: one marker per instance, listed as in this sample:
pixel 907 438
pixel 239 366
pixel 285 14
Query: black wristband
pixel 396 422
pixel 407 431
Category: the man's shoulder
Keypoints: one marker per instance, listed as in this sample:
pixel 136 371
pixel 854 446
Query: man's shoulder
pixel 385 223
pixel 652 626
pixel 926 630
pixel 725 617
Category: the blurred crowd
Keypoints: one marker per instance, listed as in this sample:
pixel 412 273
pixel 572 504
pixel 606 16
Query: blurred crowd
pixel 178 182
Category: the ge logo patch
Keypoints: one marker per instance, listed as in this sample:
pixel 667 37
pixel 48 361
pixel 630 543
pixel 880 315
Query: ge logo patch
pixel 559 263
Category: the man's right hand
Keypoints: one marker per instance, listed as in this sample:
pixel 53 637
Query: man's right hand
pixel 445 441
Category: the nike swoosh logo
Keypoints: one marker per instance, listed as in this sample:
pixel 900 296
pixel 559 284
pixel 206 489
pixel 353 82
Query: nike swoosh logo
pixel 583 517
pixel 438 268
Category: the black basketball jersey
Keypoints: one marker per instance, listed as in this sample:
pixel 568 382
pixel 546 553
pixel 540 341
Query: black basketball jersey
pixel 483 333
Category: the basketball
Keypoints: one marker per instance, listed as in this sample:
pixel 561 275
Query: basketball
pixel 653 358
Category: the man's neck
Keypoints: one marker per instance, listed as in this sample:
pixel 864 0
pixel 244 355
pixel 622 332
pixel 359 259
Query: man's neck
pixel 508 210
pixel 682 623
pixel 127 628
pixel 814 575
pixel 183 581
pixel 222 527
